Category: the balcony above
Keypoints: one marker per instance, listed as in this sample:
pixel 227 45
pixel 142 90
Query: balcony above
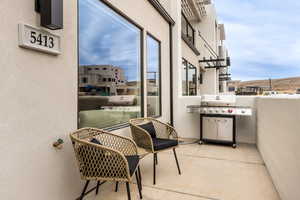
pixel 194 10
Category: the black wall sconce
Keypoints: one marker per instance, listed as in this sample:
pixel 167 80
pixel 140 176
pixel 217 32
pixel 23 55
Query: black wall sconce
pixel 51 13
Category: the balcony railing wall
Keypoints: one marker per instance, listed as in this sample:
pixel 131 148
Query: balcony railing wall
pixel 278 136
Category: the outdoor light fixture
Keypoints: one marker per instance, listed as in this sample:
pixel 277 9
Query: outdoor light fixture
pixel 51 13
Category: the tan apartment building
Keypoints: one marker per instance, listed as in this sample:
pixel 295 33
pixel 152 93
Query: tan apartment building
pixel 105 79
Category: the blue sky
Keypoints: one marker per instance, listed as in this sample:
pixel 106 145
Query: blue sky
pixel 105 38
pixel 263 37
pixel 152 57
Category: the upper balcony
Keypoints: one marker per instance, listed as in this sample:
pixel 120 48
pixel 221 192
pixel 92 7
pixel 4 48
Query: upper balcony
pixel 194 10
pixel 188 33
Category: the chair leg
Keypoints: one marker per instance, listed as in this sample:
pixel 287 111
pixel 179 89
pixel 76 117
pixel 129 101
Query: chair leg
pixel 177 161
pixel 117 186
pixel 97 189
pixel 156 160
pixel 128 191
pixel 154 170
pixel 84 189
pixel 138 181
pixel 140 176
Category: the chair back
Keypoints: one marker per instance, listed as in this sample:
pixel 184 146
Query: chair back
pixel 98 162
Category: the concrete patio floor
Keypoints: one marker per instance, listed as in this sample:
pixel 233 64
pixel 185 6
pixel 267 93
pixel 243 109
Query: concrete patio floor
pixel 209 172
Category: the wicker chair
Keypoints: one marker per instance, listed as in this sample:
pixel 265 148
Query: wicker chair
pixel 114 158
pixel 165 138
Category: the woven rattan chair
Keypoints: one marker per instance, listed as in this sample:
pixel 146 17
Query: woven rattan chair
pixel 154 136
pixel 102 156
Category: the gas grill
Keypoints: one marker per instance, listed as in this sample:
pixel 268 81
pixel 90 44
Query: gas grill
pixel 218 118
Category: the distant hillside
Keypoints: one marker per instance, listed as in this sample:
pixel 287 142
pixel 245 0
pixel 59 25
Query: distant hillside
pixel 283 85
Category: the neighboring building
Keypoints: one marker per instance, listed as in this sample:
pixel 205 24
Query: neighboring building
pixel 104 79
pixel 237 87
pixel 250 90
pixel 282 86
pixel 233 85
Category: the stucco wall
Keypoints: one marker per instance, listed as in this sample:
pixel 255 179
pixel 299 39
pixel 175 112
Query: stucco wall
pixel 38 105
pixel 208 31
pixel 187 124
pixel 189 55
pixel 39 101
pixel 278 142
pixel 210 82
pixel 246 125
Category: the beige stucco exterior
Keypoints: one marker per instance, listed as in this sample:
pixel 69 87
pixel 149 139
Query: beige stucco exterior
pixel 278 142
pixel 38 106
pixel 189 55
pixel 38 102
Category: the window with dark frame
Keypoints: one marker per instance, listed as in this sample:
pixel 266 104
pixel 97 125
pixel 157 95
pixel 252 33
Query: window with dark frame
pixel 187 30
pixel 184 78
pixel 189 79
pixel 153 77
pixel 97 99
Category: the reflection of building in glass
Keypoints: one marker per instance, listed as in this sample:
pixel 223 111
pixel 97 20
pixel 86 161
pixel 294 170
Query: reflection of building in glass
pixel 105 80
pixel 153 84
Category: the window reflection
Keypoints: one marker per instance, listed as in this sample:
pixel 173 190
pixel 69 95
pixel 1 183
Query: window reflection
pixel 153 77
pixel 109 71
pixel 187 30
pixel 192 80
pixel 189 79
pixel 184 78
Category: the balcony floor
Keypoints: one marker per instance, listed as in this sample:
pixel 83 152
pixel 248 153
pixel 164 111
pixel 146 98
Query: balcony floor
pixel 209 172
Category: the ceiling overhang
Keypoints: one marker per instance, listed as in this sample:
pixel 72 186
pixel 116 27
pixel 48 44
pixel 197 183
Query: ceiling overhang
pixel 194 10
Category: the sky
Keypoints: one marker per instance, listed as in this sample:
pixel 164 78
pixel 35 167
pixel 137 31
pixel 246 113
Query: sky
pixel 105 38
pixel 263 37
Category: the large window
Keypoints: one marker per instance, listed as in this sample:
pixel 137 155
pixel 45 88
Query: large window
pixel 153 77
pixel 109 67
pixel 189 79
pixel 187 30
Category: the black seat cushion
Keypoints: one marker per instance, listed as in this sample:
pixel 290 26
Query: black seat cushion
pixel 161 144
pixel 149 127
pixel 133 162
pixel 95 141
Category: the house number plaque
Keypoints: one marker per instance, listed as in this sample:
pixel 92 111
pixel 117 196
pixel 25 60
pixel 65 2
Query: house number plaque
pixel 39 40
